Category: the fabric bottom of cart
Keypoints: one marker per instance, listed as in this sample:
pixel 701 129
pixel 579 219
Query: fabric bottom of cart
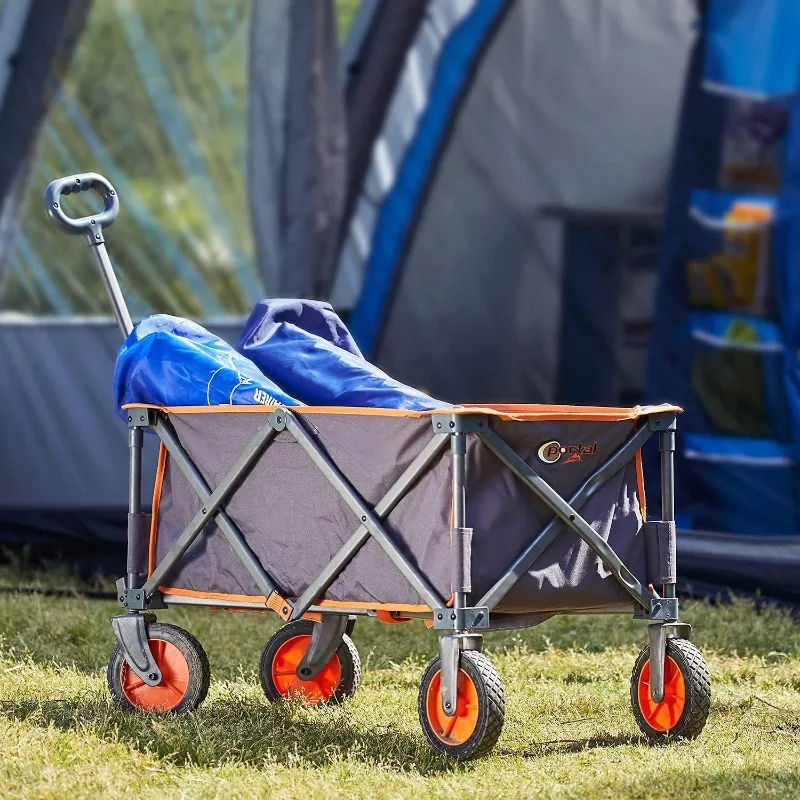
pixel 295 522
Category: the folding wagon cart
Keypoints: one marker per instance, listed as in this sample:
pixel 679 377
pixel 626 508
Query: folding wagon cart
pixel 472 519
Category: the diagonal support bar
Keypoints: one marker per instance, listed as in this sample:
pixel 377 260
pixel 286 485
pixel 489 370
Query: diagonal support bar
pixel 212 501
pixel 548 534
pixel 568 515
pixel 382 510
pixel 366 515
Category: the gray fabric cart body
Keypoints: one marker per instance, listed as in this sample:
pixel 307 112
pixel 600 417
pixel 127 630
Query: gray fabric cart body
pixel 294 521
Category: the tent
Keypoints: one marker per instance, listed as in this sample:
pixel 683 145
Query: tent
pixel 103 87
pixel 489 190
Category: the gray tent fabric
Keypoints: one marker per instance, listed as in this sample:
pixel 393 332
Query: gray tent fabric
pixel 476 303
pixel 294 521
pixel 43 50
pixel 63 453
pixel 707 559
pixel 268 69
pixel 300 97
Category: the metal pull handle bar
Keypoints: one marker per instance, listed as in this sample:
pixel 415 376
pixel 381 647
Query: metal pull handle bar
pixel 92 227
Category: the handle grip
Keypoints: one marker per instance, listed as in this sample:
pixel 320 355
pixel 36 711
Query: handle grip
pixel 91 225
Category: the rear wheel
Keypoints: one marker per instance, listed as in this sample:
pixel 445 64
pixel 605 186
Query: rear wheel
pixel 684 709
pixel 284 651
pixel 480 708
pixel 185 674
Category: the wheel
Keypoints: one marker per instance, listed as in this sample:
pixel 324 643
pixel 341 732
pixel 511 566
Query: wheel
pixel 480 708
pixel 184 669
pixel 337 681
pixel 683 712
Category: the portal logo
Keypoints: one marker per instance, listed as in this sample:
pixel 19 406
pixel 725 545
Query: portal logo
pixel 552 452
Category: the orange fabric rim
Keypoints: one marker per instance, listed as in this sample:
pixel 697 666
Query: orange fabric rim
pixel 637 460
pixel 174 680
pixel 283 669
pixel 234 598
pixel 157 487
pixel 457 729
pixel 663 716
pixel 502 411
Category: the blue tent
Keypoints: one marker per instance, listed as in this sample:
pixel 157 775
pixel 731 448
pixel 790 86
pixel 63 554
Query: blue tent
pixel 489 192
pixel 725 332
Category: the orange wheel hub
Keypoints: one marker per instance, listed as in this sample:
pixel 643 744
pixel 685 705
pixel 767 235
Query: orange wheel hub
pixel 663 716
pixel 319 689
pixel 174 680
pixel 457 729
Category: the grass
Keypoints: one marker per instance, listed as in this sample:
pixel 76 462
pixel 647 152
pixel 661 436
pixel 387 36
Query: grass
pixel 569 731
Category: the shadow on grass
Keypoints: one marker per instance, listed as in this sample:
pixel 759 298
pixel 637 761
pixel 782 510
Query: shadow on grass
pixel 238 730
pixel 560 746
pixel 252 732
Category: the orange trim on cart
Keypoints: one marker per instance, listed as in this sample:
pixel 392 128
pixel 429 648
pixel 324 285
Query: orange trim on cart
pixel 245 598
pixel 637 460
pixel 157 486
pixel 391 617
pixel 505 412
pixel 374 606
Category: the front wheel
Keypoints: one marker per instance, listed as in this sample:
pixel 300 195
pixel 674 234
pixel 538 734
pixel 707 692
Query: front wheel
pixel 684 709
pixel 184 671
pixel 480 708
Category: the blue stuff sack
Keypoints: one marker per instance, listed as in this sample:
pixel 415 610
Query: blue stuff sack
pixel 169 361
pixel 312 316
pixel 303 346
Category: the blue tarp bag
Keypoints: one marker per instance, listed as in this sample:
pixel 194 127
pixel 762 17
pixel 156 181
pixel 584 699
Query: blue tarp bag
pixel 169 361
pixel 311 316
pixel 303 346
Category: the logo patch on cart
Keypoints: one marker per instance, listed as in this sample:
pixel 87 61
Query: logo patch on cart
pixel 552 452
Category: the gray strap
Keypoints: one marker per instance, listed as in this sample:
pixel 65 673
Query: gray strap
pixel 138 542
pixel 659 540
pixel 461 558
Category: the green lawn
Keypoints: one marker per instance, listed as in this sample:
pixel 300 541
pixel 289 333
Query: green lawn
pixel 568 732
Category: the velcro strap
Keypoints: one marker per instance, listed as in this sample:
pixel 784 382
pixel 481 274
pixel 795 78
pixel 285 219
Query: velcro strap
pixel 659 540
pixel 138 542
pixel 461 559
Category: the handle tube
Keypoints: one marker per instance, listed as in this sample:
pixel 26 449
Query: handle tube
pixel 118 304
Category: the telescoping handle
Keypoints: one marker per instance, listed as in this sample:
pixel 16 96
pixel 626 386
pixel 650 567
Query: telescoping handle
pixel 92 228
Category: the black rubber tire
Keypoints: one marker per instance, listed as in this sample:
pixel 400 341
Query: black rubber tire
pixel 698 692
pixel 196 660
pixel 347 653
pixel 491 707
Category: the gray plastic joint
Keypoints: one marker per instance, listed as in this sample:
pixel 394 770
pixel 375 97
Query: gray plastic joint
pixel 459 423
pixel 664 608
pixel 134 599
pixel 141 417
pixel 665 421
pixel 461 619
pixel 277 419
